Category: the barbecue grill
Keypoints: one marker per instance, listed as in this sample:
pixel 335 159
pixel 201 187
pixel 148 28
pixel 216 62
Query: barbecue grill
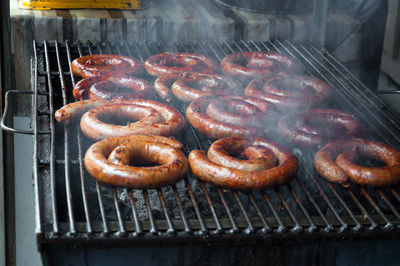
pixel 71 206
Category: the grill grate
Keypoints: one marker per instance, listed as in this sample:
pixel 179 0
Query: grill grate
pixel 71 205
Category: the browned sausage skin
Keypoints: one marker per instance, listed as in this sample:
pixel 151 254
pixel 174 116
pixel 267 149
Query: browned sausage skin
pixel 335 162
pixel 108 88
pixel 290 92
pixel 75 110
pixel 105 65
pixel 218 127
pixel 93 127
pixel 154 149
pixel 174 64
pixel 315 127
pixel 191 86
pixel 163 87
pixel 250 65
pixel 172 121
pixel 229 177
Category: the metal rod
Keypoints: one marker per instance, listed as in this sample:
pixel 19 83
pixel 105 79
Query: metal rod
pixel 181 210
pixel 250 227
pixel 153 228
pixel 38 210
pixel 122 230
pixel 266 228
pixel 83 183
pixel 101 206
pixel 385 199
pixel 171 229
pixel 388 224
pixel 52 143
pixel 297 227
pixel 363 210
pixel 138 225
pixel 363 109
pixel 98 187
pixel 282 226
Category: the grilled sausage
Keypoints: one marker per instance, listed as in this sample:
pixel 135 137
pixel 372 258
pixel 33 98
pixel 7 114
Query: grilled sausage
pixel 172 121
pixel 197 116
pixel 191 86
pixel 174 64
pixel 94 128
pixel 335 162
pixel 105 160
pixel 75 110
pixel 258 158
pixel 162 85
pixel 289 92
pixel 229 177
pixel 108 88
pixel 315 127
pixel 106 65
pixel 250 65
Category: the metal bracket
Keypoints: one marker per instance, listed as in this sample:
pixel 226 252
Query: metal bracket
pixel 3 123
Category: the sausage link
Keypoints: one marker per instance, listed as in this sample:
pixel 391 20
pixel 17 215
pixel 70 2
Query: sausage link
pixel 335 162
pixel 155 149
pixel 174 64
pixel 106 65
pixel 208 171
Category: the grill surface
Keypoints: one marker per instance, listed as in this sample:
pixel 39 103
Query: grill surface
pixel 72 206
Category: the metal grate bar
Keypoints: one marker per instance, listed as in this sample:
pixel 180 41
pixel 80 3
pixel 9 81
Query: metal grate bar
pixel 307 204
pixel 236 196
pixel 52 143
pixel 181 210
pixel 159 192
pixel 66 147
pixel 324 195
pixel 98 187
pixel 358 225
pixel 297 227
pixel 312 226
pixel 121 225
pixel 250 228
pixel 335 64
pixel 234 228
pixel 153 228
pixel 377 131
pixel 330 187
pixel 202 186
pixel 171 229
pixel 362 108
pixel 191 194
pixel 83 184
pixel 364 212
pixel 79 136
pixel 282 226
pixel 38 209
pixel 138 225
pixel 383 196
pixel 376 207
pixel 266 227
pixel 116 203
pixel 312 200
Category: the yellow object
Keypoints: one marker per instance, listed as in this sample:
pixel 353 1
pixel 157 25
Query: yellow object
pixel 70 4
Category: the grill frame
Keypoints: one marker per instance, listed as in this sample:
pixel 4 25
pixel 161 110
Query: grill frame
pixel 49 228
